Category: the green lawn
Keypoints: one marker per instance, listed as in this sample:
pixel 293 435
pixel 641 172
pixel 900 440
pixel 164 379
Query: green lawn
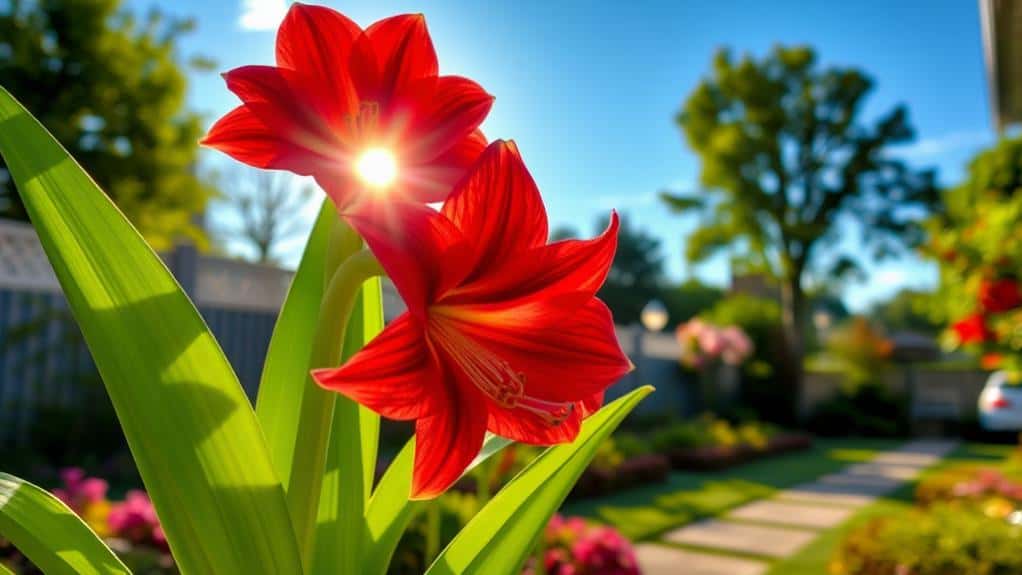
pixel 646 512
pixel 813 559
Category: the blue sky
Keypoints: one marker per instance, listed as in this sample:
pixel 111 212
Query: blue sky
pixel 589 89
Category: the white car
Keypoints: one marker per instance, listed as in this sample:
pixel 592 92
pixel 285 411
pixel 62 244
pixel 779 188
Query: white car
pixel 1000 404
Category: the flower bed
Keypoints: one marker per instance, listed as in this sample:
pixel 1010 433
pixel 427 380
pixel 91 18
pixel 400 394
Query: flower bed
pixel 709 443
pixel 968 520
pixel 129 526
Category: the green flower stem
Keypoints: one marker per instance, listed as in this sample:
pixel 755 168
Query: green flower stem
pixel 433 520
pixel 347 266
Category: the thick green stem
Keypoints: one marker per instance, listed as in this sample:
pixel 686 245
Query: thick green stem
pixel 350 267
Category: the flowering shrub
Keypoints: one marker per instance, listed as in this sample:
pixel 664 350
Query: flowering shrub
pixel 978 243
pixel 862 351
pixel 572 547
pixel 86 496
pixel 702 344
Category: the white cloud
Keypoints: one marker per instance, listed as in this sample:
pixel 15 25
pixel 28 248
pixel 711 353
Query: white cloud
pixel 949 143
pixel 262 14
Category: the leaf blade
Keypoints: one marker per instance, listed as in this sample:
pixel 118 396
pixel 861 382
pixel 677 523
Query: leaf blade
pixel 353 445
pixel 500 536
pixel 49 533
pixel 190 428
pixel 390 510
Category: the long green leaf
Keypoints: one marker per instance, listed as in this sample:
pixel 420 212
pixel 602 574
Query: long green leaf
pixel 191 430
pixel 390 510
pixel 351 459
pixel 497 540
pixel 49 533
pixel 282 384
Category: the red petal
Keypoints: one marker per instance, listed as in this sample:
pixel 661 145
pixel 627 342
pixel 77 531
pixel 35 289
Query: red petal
pixel 527 427
pixel 446 443
pixel 395 375
pixel 433 181
pixel 302 117
pixel 403 50
pixel 244 137
pixel 316 42
pixel 421 251
pixel 440 112
pixel 499 207
pixel 569 360
pixel 566 273
pixel 591 404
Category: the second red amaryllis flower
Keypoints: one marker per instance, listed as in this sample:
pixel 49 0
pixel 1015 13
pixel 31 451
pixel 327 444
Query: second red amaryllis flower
pixel 972 329
pixel 503 331
pixel 355 109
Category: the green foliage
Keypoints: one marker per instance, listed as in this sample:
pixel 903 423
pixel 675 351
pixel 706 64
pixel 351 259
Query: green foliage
pixel 909 310
pixel 862 352
pixel 941 540
pixel 498 538
pixel 785 154
pixel 190 427
pixel 711 431
pixel 978 238
pixel 686 300
pixel 760 319
pixel 870 410
pixel 50 534
pixel 785 151
pixel 111 89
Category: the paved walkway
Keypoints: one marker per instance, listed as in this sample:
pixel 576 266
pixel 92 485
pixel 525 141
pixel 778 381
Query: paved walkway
pixel 780 526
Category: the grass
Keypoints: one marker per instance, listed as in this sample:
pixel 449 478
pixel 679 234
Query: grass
pixel 646 512
pixel 813 558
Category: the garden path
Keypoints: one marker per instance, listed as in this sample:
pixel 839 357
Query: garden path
pixel 744 541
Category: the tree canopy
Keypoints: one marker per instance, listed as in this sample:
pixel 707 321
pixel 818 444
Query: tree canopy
pixel 788 160
pixel 111 89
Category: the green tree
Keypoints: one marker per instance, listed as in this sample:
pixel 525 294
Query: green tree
pixel 637 272
pixel 908 310
pixel 785 155
pixel 687 299
pixel 111 89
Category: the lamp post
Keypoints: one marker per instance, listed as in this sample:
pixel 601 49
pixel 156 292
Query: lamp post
pixel 653 318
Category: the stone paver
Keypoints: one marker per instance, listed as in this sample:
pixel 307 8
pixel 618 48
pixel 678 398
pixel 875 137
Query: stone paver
pixel 898 472
pixel 742 537
pixel 844 496
pixel 789 513
pixel 793 516
pixel 663 560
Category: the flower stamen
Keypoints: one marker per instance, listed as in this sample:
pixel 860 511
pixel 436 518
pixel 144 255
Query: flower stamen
pixel 362 125
pixel 553 412
pixel 486 370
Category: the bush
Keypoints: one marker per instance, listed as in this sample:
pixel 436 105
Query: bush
pixel 946 539
pixel 760 318
pixel 870 410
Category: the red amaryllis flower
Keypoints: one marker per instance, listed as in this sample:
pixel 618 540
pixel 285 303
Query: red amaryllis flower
pixel 972 329
pixel 503 331
pixel 999 295
pixel 356 109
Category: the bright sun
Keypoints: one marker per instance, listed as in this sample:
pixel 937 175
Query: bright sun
pixel 377 167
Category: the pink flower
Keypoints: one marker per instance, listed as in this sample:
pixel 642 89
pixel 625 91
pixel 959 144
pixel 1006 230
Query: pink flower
pixel 79 491
pixel 135 519
pixel 737 346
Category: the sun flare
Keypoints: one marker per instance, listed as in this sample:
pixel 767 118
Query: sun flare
pixel 377 167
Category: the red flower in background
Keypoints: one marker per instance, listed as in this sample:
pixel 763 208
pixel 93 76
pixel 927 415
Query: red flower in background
pixel 999 295
pixel 972 329
pixel 503 331
pixel 355 109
